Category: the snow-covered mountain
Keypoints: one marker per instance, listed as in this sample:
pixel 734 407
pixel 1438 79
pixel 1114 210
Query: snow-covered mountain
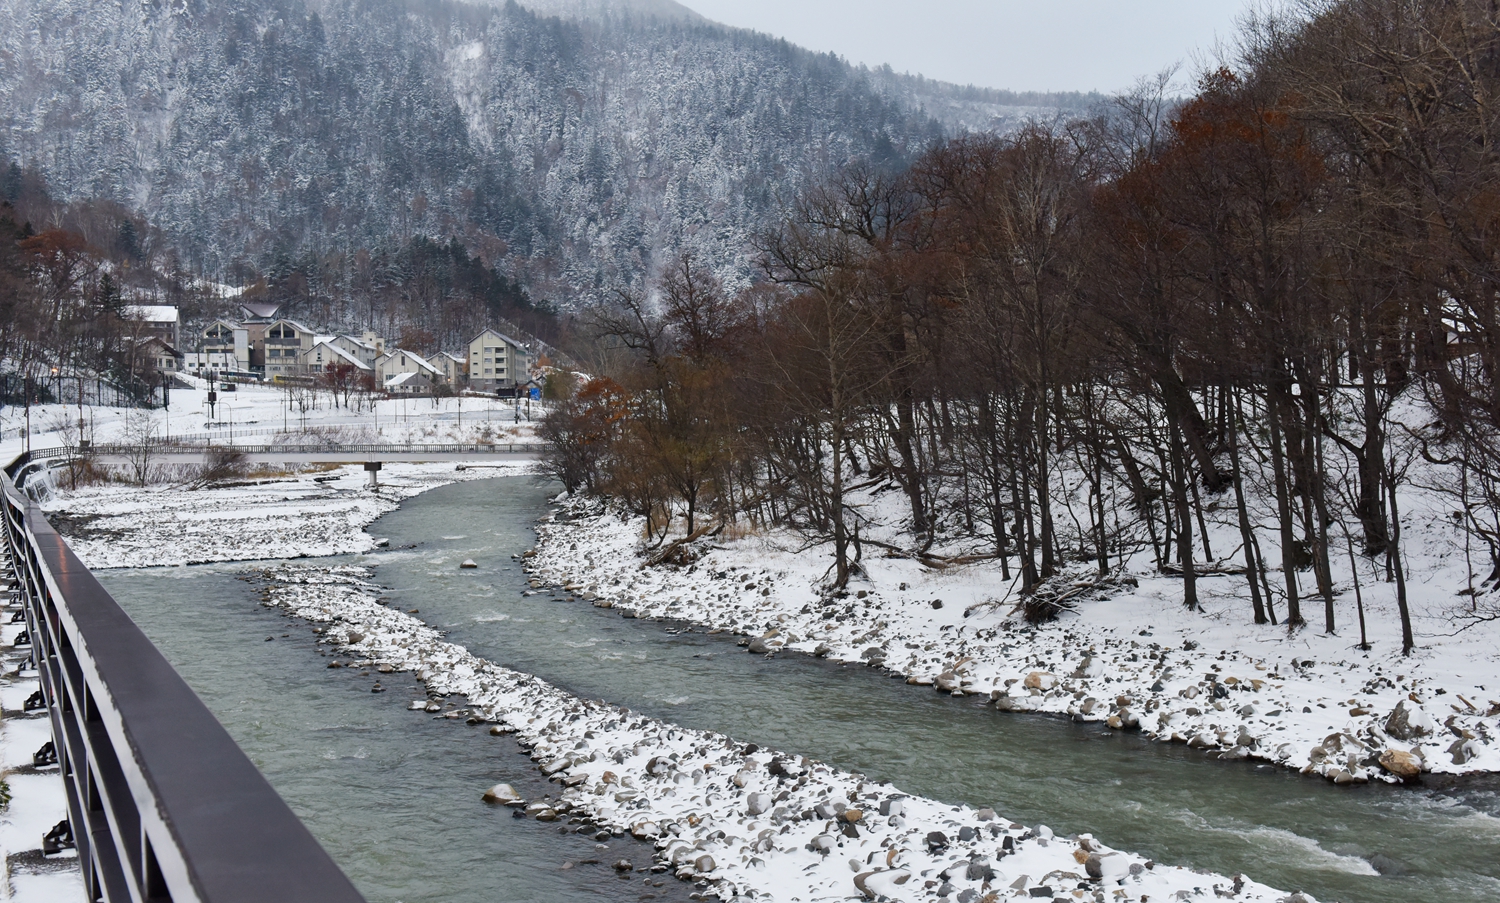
pixel 575 151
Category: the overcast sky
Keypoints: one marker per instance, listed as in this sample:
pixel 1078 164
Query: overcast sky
pixel 1043 45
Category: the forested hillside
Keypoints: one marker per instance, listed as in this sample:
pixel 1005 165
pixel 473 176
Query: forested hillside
pixel 307 142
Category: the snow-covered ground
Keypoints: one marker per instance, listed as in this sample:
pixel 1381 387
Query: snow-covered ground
pixel 754 822
pixel 287 516
pixel 1129 654
pixel 255 414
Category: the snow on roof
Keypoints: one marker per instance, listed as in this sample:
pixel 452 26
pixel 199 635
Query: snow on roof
pixel 339 353
pixel 502 336
pixel 152 313
pixel 401 379
pixel 352 340
pixel 449 355
pixel 262 309
pixel 299 327
pixel 417 359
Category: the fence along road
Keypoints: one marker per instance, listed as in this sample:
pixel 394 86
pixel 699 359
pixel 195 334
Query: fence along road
pixel 162 804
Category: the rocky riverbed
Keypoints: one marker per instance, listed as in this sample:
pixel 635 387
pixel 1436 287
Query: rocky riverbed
pixel 742 820
pixel 1123 652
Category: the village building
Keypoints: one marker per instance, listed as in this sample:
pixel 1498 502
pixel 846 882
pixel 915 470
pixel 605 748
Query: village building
pixel 410 383
pixel 450 367
pixel 152 355
pixel 159 320
pixel 328 357
pixel 282 348
pixel 496 362
pixel 224 348
pixel 397 362
pixel 366 351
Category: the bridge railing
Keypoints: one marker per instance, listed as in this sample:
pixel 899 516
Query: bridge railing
pixel 312 448
pixel 162 804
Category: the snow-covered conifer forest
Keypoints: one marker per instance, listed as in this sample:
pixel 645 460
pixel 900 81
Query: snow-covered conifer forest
pixel 312 141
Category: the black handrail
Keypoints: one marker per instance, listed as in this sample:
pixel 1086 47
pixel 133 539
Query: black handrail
pixel 177 448
pixel 163 805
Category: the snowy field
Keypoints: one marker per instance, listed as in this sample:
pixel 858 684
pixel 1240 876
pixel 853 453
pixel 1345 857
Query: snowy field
pixel 255 414
pixel 1129 654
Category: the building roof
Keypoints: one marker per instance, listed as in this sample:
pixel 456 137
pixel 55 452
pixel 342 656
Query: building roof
pixel 158 340
pixel 260 310
pixel 498 334
pixel 298 326
pixel 449 355
pixel 420 361
pixel 353 341
pixel 152 313
pixel 338 353
pixel 401 379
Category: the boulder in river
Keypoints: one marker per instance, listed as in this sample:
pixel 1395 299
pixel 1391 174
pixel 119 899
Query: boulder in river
pixel 468 564
pixel 1401 763
pixel 503 794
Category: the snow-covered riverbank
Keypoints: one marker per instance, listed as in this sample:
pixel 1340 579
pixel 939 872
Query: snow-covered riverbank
pixel 1129 655
pixel 753 822
pixel 295 516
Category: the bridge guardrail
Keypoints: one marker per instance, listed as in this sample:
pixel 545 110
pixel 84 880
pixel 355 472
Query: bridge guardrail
pixel 162 804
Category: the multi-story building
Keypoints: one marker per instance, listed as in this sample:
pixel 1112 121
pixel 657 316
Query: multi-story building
pixel 283 346
pixel 327 357
pixel 450 367
pixel 398 362
pixel 496 362
pixel 224 347
pixel 366 351
pixel 159 320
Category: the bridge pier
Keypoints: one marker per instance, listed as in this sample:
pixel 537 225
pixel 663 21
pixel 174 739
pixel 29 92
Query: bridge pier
pixel 373 469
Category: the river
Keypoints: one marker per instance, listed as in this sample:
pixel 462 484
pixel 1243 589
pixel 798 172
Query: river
pixel 393 794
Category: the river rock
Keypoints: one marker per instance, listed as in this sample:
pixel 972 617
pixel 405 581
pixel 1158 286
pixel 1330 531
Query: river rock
pixel 622 865
pixel 1111 866
pixel 504 794
pixel 762 646
pixel 1408 721
pixel 468 564
pixel 881 883
pixel 1089 667
pixel 355 638
pixel 645 830
pixel 758 803
pixel 1040 680
pixel 1462 750
pixel 947 682
pixel 1400 763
